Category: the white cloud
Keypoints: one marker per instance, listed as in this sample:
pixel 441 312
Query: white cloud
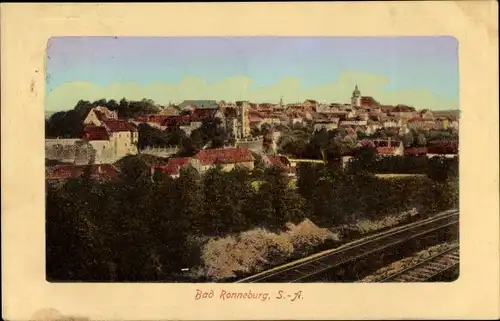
pixel 66 95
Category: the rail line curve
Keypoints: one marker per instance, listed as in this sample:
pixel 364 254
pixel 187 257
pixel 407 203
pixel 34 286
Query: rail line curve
pixel 305 268
pixel 428 268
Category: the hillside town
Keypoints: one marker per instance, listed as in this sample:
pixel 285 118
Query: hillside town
pixel 201 186
pixel 252 130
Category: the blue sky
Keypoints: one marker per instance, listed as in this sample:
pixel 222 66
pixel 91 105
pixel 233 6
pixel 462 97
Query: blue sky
pixel 389 67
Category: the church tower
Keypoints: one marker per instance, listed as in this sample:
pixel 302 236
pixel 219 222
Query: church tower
pixel 243 120
pixel 281 103
pixel 356 97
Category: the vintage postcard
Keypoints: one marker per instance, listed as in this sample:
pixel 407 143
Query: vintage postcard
pixel 305 164
pixel 223 159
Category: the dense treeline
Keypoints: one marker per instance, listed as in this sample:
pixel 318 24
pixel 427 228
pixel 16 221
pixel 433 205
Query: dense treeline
pixel 68 124
pixel 303 142
pixel 438 168
pixel 211 134
pixel 336 197
pixel 123 229
pixel 138 229
pixel 154 137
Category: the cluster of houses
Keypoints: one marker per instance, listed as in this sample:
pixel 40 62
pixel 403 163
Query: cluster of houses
pixel 190 114
pixel 108 138
pixel 363 114
pixel 105 139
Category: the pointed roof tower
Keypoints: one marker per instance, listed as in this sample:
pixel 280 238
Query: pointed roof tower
pixel 356 91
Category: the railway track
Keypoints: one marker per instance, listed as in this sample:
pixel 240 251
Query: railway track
pixel 427 269
pixel 298 272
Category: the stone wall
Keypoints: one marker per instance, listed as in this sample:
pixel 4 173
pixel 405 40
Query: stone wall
pixel 160 151
pixel 76 151
pixel 73 151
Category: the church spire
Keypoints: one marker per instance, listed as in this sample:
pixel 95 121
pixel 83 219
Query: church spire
pixel 356 91
pixel 281 101
pixel 356 97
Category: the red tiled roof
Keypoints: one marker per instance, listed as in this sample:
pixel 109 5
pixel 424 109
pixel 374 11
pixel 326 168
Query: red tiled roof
pixel 256 113
pixel 101 171
pixel 224 156
pixel 184 120
pixel 201 114
pixel 254 119
pixel 255 116
pixel 368 101
pixel 275 161
pixel 119 126
pixel 265 105
pixel 178 161
pixel 416 151
pixel 92 132
pixel 173 166
pixel 386 150
pixel 159 119
pixel 443 147
pixel 166 169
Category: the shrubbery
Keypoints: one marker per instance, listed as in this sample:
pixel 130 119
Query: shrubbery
pixel 252 251
pixel 438 167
